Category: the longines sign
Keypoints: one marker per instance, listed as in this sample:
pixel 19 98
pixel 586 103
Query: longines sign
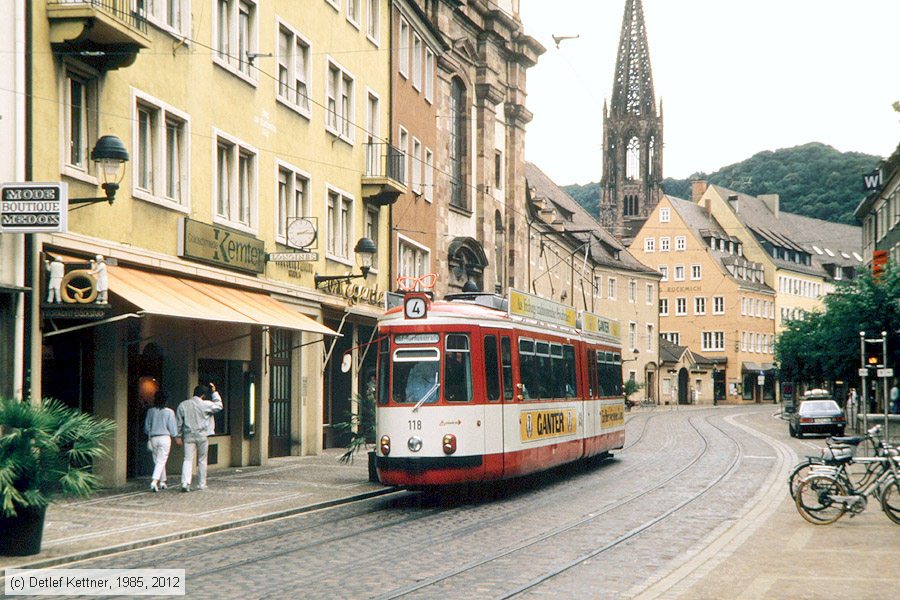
pixel 221 247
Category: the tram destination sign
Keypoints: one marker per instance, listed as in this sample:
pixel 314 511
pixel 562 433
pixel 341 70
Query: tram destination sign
pixel 541 309
pixel 33 207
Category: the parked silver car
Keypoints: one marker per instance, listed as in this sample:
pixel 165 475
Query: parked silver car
pixel 817 416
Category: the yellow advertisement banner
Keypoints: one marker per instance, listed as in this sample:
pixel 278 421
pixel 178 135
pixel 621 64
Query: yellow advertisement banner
pixel 548 423
pixel 541 309
pixel 594 323
pixel 612 415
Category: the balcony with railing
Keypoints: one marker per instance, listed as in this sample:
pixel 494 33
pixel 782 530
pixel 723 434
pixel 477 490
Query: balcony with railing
pixel 382 181
pixel 106 34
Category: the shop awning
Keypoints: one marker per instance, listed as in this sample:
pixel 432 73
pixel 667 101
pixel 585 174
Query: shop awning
pixel 171 296
pixel 752 366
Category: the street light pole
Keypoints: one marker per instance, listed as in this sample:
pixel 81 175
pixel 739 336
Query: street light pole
pixel 863 401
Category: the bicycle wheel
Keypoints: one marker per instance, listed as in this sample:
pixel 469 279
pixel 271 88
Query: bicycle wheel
pixel 890 500
pixel 801 472
pixel 815 500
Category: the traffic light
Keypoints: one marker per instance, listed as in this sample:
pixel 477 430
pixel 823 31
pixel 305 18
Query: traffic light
pixel 872 360
pixel 879 260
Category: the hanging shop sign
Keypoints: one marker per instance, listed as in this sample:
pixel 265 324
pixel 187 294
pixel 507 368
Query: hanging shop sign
pixel 33 207
pixel 221 247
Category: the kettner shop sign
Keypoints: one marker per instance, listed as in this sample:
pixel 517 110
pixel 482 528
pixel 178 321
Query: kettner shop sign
pixel 221 247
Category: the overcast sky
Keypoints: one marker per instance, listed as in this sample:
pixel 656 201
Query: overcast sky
pixel 736 77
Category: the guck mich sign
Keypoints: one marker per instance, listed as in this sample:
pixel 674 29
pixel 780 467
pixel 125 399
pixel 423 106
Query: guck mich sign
pixel 33 207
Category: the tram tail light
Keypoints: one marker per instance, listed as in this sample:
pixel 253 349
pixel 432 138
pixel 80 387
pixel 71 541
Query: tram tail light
pixel 385 445
pixel 449 443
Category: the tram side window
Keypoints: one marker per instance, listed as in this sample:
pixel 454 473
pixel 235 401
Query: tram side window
pixel 593 379
pixel 563 371
pixel 545 380
pixel 528 369
pixel 457 368
pixel 384 366
pixel 491 368
pixel 611 375
pixel 506 357
pixel 569 370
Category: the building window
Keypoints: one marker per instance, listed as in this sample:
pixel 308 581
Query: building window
pixel 633 161
pixel 235 189
pixel 679 272
pixel 632 291
pixel 162 159
pixel 416 164
pixel 499 251
pixel 680 306
pixel 417 61
pixel 649 293
pixel 293 198
pixel 695 272
pixel 353 9
pixel 632 335
pixel 649 337
pixel 403 49
pixel 404 151
pixel 680 243
pixel 429 74
pixel 664 271
pixel 713 341
pixel 718 305
pixel 373 23
pixel 80 117
pixel 235 36
pixel 650 245
pixel 611 288
pixel 498 170
pixel 664 244
pixel 664 215
pixel 699 305
pixel 414 259
pixel 672 336
pixel 338 224
pixel 170 15
pixel 429 175
pixel 664 307
pixel 339 102
pixel 458 141
pixel 293 70
pixel 372 231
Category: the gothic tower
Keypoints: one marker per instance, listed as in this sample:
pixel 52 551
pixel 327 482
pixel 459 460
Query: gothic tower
pixel 632 134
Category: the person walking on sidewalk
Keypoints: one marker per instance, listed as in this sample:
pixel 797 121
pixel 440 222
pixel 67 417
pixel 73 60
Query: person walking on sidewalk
pixel 193 417
pixel 160 426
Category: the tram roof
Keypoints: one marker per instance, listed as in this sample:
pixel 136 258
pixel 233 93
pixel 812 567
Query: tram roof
pixel 458 310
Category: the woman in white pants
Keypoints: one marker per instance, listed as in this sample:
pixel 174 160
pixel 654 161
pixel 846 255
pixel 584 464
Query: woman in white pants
pixel 160 426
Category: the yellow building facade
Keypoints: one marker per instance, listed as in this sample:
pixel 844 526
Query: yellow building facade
pixel 251 184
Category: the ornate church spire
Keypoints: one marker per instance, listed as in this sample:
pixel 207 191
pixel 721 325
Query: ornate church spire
pixel 632 134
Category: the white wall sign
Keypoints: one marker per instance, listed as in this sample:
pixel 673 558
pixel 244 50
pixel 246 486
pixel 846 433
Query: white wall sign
pixel 33 207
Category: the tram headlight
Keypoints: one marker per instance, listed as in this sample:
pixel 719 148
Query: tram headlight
pixel 385 445
pixel 414 443
pixel 449 443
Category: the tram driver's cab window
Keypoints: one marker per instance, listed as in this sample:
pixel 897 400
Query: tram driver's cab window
pixel 457 368
pixel 415 378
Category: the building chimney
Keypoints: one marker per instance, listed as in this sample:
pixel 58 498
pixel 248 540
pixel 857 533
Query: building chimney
pixel 771 200
pixel 698 188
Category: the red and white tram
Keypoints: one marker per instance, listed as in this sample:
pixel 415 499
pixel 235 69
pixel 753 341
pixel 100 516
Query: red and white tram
pixel 480 388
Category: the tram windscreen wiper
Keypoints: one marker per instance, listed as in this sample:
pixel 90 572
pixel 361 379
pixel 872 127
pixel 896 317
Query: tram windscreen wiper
pixel 432 390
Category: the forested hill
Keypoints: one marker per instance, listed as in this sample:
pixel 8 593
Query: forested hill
pixel 814 180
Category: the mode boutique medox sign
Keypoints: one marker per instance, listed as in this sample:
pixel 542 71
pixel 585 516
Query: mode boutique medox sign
pixel 33 207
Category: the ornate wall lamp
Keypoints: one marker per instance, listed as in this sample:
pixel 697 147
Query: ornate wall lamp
pixel 110 155
pixel 365 251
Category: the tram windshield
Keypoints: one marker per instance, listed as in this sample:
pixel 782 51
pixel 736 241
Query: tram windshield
pixel 416 377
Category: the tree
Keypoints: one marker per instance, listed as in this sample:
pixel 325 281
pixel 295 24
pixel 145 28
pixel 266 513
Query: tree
pixel 825 345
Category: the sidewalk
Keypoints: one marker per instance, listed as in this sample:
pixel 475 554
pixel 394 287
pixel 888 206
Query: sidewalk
pixel 132 517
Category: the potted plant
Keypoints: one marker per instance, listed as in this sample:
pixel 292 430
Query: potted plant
pixel 360 429
pixel 46 450
pixel 629 388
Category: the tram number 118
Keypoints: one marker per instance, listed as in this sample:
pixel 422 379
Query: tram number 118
pixel 415 425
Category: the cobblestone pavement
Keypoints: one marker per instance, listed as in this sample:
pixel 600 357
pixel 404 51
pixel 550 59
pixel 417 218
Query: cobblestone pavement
pixel 695 506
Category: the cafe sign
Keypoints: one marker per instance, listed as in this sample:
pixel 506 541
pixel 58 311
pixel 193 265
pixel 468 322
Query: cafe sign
pixel 221 247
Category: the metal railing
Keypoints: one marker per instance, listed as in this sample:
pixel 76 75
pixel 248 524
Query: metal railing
pixel 383 160
pixel 129 12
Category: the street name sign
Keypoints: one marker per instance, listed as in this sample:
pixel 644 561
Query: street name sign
pixel 32 207
pixel 885 372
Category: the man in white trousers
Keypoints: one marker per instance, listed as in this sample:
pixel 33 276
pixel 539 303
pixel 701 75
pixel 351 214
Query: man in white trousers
pixel 193 418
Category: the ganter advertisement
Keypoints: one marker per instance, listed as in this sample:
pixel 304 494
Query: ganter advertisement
pixel 547 423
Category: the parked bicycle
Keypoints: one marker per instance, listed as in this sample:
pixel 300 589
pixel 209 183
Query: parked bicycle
pixel 824 496
pixel 839 454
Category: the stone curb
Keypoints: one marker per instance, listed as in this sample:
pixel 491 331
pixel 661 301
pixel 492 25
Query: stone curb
pixel 173 537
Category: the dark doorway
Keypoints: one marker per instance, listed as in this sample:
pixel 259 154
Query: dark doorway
pixel 338 389
pixel 683 386
pixel 280 393
pixel 718 386
pixel 144 379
